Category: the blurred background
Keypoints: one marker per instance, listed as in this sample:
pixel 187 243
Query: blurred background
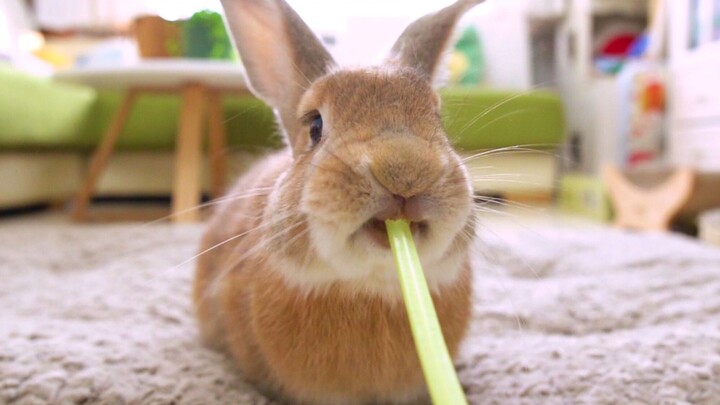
pixel 582 106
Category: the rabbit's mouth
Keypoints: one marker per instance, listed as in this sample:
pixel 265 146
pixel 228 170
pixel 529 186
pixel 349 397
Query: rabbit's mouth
pixel 375 230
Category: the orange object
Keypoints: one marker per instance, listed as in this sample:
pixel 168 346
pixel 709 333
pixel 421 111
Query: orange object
pixel 654 97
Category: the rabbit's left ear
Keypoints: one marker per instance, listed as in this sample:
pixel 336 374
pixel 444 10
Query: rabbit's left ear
pixel 423 42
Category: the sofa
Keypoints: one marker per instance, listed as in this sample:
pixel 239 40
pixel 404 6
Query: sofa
pixel 49 129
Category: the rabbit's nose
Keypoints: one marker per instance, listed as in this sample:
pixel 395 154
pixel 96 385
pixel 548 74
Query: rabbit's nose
pixel 414 209
pixel 404 165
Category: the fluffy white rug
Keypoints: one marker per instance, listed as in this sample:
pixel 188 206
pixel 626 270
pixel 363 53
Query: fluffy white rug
pixel 101 314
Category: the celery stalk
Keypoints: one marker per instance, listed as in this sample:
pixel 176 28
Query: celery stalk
pixel 437 365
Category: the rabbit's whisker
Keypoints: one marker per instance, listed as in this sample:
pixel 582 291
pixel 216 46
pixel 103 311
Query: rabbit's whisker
pixel 477 251
pixel 215 246
pixel 462 133
pixel 503 150
pixel 483 202
pixel 234 261
pixel 525 182
pixel 230 197
pixel 525 263
pixel 491 108
pixel 499 276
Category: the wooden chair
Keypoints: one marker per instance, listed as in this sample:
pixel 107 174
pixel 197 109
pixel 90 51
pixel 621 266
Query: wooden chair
pixel 652 199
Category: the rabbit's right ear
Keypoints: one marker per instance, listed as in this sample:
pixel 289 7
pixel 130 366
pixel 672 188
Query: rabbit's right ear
pixel 422 43
pixel 282 56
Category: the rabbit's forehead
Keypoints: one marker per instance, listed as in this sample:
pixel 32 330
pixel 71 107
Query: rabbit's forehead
pixel 364 96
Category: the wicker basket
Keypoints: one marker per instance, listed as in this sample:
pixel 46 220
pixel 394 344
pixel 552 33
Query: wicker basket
pixel 202 36
pixel 157 38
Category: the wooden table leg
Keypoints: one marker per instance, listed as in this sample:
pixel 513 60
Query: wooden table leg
pixel 217 145
pixel 650 209
pixel 101 156
pixel 186 188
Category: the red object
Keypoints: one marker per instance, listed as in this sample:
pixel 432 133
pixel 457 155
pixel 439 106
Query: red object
pixel 618 45
pixel 641 156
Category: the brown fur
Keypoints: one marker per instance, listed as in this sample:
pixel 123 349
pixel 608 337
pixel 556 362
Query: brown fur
pixel 332 345
pixel 291 284
pixel 335 345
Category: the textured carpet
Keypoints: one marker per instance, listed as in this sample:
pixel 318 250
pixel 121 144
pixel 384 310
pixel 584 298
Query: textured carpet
pixel 101 314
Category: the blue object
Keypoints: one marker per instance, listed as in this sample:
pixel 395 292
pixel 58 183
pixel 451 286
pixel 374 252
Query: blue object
pixel 639 47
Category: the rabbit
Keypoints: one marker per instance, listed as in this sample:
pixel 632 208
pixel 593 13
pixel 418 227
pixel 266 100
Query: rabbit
pixel 296 280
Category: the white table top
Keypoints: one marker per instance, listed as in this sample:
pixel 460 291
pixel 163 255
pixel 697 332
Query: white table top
pixel 158 73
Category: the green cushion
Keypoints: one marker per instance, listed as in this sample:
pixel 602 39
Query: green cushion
pixel 474 119
pixel 153 122
pixel 41 114
pixel 488 119
pixel 37 113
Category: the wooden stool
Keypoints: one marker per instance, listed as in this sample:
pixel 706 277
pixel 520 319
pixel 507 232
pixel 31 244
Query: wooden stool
pixel 199 102
pixel 651 200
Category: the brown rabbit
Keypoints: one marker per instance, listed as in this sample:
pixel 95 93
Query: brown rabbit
pixel 297 281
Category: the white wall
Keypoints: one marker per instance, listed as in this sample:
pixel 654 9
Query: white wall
pixel 505 35
pixel 365 29
pixel 366 33
pixel 14 21
pixel 70 14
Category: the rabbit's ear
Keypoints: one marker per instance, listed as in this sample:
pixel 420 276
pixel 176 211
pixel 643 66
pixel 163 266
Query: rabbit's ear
pixel 423 42
pixel 282 56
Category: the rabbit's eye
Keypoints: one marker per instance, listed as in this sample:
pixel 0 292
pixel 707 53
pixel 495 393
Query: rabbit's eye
pixel 316 129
